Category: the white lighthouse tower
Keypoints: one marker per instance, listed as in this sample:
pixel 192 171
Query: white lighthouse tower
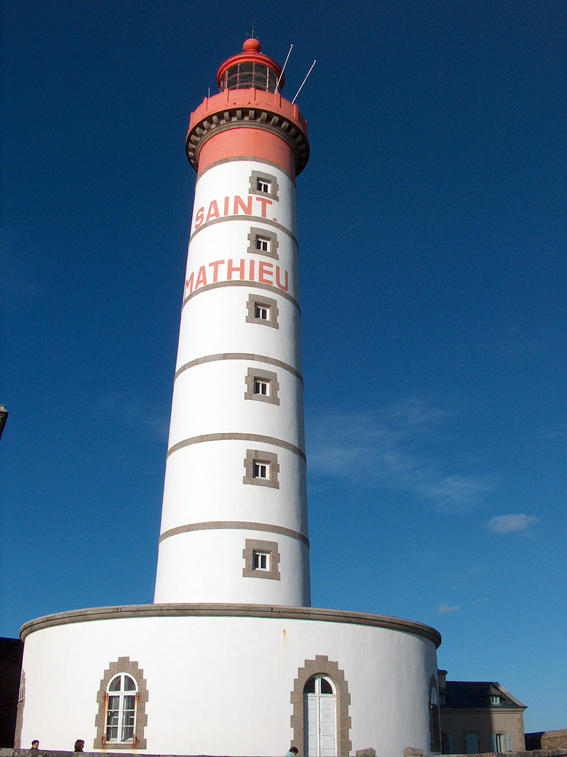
pixel 231 659
pixel 234 520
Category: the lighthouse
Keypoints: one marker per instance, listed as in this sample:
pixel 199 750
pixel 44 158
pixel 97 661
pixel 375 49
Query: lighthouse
pixel 231 659
pixel 234 518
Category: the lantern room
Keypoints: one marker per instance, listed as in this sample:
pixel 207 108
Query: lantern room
pixel 250 69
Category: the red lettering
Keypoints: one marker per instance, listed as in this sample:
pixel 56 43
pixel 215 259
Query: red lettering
pixel 251 277
pixel 215 267
pixel 202 277
pixel 200 217
pixel 263 266
pixel 226 201
pixel 189 283
pixel 264 201
pixel 278 282
pixel 232 268
pixel 239 202
pixel 213 211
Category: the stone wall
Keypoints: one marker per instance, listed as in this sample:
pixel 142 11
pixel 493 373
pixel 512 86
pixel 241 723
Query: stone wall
pixel 547 740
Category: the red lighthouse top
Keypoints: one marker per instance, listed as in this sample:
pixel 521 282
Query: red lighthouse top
pixel 250 69
pixel 248 117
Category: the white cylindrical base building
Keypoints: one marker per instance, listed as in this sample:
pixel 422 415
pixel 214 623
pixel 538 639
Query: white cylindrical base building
pixel 230 680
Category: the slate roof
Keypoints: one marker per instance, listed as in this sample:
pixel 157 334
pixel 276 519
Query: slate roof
pixel 476 694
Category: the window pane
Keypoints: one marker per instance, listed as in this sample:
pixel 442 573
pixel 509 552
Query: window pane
pixel 272 81
pixel 113 703
pixel 326 687
pixel 245 81
pixel 112 718
pixel 309 687
pixel 115 685
pixel 129 684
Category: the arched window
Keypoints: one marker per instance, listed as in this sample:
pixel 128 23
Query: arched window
pixel 122 696
pixel 320 673
pixel 320 707
pixel 434 723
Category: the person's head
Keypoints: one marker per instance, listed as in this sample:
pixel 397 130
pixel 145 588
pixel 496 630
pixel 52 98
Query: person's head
pixel 294 749
pixel 35 744
pixel 79 744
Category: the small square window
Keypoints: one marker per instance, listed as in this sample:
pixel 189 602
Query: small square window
pixel 494 699
pixel 262 310
pixel 261 469
pixel 263 242
pixel 262 386
pixel 264 184
pixel 261 559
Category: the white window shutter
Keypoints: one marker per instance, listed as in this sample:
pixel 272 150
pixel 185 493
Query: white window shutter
pixel 450 743
pixel 492 742
pixel 508 748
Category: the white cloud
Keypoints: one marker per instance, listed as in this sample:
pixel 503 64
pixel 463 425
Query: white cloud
pixel 137 414
pixel 448 608
pixel 391 446
pixel 511 524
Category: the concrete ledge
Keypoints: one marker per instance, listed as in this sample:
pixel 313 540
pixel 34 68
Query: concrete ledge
pixel 231 610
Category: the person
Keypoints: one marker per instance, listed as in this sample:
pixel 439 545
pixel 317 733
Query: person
pixel 79 744
pixel 292 752
pixel 35 744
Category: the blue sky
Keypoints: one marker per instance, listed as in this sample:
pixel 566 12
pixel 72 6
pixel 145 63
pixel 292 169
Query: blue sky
pixel 433 270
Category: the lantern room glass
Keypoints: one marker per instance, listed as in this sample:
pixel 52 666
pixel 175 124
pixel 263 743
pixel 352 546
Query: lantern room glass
pixel 249 76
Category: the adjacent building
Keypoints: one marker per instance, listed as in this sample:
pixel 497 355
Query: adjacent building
pixel 479 716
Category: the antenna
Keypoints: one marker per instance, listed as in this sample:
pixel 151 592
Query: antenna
pixel 252 32
pixel 283 69
pixel 209 92
pixel 303 82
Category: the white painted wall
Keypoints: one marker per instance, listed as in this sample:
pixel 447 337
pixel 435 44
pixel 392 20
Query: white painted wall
pixel 204 481
pixel 221 686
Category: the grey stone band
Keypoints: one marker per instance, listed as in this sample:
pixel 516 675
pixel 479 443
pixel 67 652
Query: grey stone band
pixel 210 610
pixel 239 356
pixel 239 437
pixel 250 219
pixel 239 283
pixel 240 525
pixel 248 158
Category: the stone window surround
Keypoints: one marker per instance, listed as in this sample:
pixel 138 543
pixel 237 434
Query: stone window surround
pixel 321 664
pixel 131 668
pixel 268 177
pixel 20 711
pixel 257 545
pixel 434 716
pixel 271 236
pixel 273 388
pixel 258 299
pixel 260 456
